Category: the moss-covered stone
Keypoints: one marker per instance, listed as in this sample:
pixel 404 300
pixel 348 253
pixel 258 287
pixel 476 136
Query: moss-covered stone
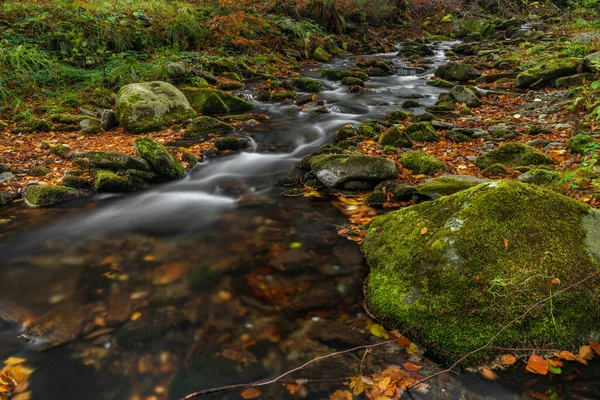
pixel 397 116
pixel 90 126
pixel 490 253
pixel 513 155
pixel 440 83
pixel 335 169
pixel 376 199
pixel 113 160
pixel 579 143
pixel 108 181
pixel 150 106
pixel 6 197
pixel 233 143
pixel 497 169
pixel 343 133
pixel 208 101
pixel 422 132
pixel 67 119
pixel 446 185
pixel 457 137
pixel 161 161
pixel 38 170
pixel 230 85
pixel 307 85
pixel 352 81
pixel 460 72
pixel 540 176
pixel 466 95
pixel 282 96
pixel 411 104
pixel 339 74
pixel 76 182
pixel 190 158
pixel 376 67
pixel 395 137
pixel 147 176
pixel 574 80
pixel 48 195
pixel 547 71
pixel 203 126
pixel 422 163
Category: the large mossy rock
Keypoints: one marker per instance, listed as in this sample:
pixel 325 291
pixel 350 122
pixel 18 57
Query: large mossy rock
pixel 547 71
pixel 446 185
pixel 108 181
pixel 490 253
pixel 307 85
pixel 395 137
pixel 459 72
pixel 335 169
pixel 203 126
pixel 113 160
pixel 151 106
pixel 159 158
pixel 513 155
pixel 466 95
pixel 592 61
pixel 209 101
pixel 49 195
pixel 422 163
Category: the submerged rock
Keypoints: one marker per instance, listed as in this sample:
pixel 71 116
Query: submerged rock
pixel 151 325
pixel 61 325
pixel 489 253
pixel 48 195
pixel 335 169
pixel 203 126
pixel 446 185
pixel 208 101
pixel 161 161
pixel 513 155
pixel 150 106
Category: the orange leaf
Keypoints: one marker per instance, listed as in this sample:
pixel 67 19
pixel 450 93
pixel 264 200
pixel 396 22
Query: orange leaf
pixel 412 366
pixel 566 355
pixel 424 231
pixel 586 352
pixel 595 346
pixel 555 363
pixel 537 364
pixel 508 359
pixel 251 393
pixel 489 374
pixel 341 395
pixel 505 244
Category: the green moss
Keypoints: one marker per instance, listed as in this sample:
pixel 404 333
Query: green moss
pixel 513 155
pixel 161 161
pixel 38 170
pixel 281 96
pixel 352 81
pixel 232 143
pixel 203 126
pixel 339 74
pixel 336 169
pixel 461 72
pixel 579 143
pixel 440 83
pixel 113 160
pixel 107 181
pixel 411 104
pixel 547 71
pixel 422 163
pixel 67 119
pixel 466 111
pixel 135 174
pixel 230 85
pixel 497 169
pixel 307 85
pixel 375 199
pixel 540 176
pixel 190 158
pixel 48 195
pixel 321 55
pixel 457 137
pixel 397 116
pixel 455 287
pixel 446 185
pixel 422 132
pixel 395 137
pixel 76 182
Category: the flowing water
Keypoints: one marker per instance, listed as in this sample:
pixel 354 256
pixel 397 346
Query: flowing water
pixel 212 280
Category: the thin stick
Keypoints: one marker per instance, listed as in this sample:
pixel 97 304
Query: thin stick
pixel 271 381
pixel 505 327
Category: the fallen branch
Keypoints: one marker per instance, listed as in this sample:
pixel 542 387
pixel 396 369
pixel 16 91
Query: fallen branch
pixel 241 386
pixel 505 327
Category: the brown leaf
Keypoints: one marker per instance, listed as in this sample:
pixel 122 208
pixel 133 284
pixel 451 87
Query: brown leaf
pixel 566 355
pixel 555 363
pixel 586 352
pixel 595 346
pixel 505 243
pixel 537 364
pixel 508 359
pixel 251 393
pixel 412 366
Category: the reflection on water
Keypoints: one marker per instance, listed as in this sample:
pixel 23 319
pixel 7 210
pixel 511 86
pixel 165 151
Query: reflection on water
pixel 161 293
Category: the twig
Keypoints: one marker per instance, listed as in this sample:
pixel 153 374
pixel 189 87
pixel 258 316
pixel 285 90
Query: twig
pixel 505 327
pixel 271 381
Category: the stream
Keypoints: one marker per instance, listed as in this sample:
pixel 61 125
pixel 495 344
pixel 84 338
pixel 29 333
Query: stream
pixel 215 279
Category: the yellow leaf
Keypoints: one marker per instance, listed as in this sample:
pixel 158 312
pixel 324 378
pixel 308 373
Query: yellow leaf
pixel 379 331
pixel 13 361
pixel 340 395
pixel 412 349
pixel 357 385
pixel 135 316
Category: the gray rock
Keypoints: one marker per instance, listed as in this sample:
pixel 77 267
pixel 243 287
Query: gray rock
pixel 460 72
pixel 538 142
pixel 466 95
pixel 176 72
pixel 6 176
pixel 88 113
pixel 335 169
pixel 90 126
pixel 442 125
pixel 552 145
pixel 113 160
pixel 108 120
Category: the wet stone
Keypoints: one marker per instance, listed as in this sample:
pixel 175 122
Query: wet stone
pixel 152 324
pixel 59 326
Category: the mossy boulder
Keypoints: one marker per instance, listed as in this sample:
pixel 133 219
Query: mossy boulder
pixel 397 116
pixel 67 119
pixel 459 72
pixel 307 85
pixel 151 106
pixel 395 137
pixel 113 160
pixel 376 199
pixel 48 195
pixel 513 155
pixel 352 81
pixel 446 185
pixel 335 169
pixel 161 161
pixel 282 96
pixel 209 101
pixel 90 126
pixel 592 61
pixel 38 170
pixel 339 74
pixel 321 55
pixel 574 80
pixel 466 95
pixel 490 253
pixel 6 197
pixel 108 181
pixel 440 83
pixel 540 176
pixel 202 126
pixel 579 143
pixel 422 163
pixel 422 132
pixel 547 72
pixel 232 143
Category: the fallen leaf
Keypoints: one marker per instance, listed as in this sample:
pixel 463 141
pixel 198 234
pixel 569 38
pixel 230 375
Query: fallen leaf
pixel 537 365
pixel 357 385
pixel 489 374
pixel 508 359
pixel 566 355
pixel 135 316
pixel 379 331
pixel 251 393
pixel 424 231
pixel 586 352
pixel 341 395
pixel 595 346
pixel 412 366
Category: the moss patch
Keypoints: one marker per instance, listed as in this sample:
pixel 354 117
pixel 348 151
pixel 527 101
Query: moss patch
pixel 422 163
pixel 395 137
pixel 455 287
pixel 208 101
pixel 513 155
pixel 161 161
pixel 48 195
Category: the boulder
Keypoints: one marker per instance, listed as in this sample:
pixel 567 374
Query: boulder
pixel 466 95
pixel 422 132
pixel 422 163
pixel 513 155
pixel 307 85
pixel 446 185
pixel 395 137
pixel 48 195
pixel 113 160
pixel 176 73
pixel 90 126
pixel 540 176
pixel 108 120
pixel 233 143
pixel 460 72
pixel 339 74
pixel 592 61
pixel 208 101
pixel 151 106
pixel 203 126
pixel 161 161
pixel 335 169
pixel 397 116
pixel 488 254
pixel 574 80
pixel 108 181
pixel 547 72
pixel 321 55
